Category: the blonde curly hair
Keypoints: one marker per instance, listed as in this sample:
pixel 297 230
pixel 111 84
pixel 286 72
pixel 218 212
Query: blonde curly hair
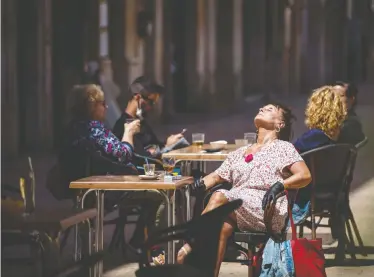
pixel 325 111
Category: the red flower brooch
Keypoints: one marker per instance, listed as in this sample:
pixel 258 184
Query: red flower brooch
pixel 248 158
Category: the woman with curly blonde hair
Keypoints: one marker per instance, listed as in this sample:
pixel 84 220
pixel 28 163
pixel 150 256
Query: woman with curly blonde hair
pixel 325 114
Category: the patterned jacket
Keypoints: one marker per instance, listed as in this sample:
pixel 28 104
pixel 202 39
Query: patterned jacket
pixel 84 139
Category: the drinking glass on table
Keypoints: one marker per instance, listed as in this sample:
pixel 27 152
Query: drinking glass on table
pixel 250 137
pixel 241 142
pixel 168 164
pixel 198 139
pixel 149 169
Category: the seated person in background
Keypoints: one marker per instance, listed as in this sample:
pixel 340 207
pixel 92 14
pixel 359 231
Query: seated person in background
pixel 87 135
pixel 325 113
pixel 144 95
pixel 258 173
pixel 351 132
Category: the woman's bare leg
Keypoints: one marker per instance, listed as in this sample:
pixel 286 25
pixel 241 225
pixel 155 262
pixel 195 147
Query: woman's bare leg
pixel 226 231
pixel 217 199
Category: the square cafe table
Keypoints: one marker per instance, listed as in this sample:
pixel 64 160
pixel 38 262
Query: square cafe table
pixel 100 184
pixel 197 154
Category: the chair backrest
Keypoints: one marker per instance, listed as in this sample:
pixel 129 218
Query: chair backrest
pixel 329 166
pixel 351 170
pixel 202 233
pixel 79 162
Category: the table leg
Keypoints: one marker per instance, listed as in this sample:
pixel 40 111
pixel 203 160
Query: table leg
pixel 174 209
pixel 167 196
pixel 99 232
pixel 188 204
pixel 77 250
pixel 93 271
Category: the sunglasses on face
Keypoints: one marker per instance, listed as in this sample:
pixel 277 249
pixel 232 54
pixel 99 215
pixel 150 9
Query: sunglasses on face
pixel 151 102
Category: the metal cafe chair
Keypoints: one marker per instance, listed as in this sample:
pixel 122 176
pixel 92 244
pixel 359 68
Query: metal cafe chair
pixel 253 239
pixel 331 167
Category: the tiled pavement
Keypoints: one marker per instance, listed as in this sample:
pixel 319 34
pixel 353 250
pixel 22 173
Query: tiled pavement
pixel 229 128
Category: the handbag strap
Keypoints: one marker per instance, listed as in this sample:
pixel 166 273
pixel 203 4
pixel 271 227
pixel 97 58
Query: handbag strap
pixel 293 227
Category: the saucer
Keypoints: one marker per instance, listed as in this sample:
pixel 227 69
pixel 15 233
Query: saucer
pixel 148 177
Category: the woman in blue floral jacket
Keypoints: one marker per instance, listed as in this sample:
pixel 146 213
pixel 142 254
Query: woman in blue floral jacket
pixel 89 148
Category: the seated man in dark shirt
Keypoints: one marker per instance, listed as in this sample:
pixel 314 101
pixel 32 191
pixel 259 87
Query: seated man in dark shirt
pixel 351 132
pixel 144 95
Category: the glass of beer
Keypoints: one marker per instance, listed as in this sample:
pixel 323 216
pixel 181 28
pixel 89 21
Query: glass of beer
pixel 168 164
pixel 198 139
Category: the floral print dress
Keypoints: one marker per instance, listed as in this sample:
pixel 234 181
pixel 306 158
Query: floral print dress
pixel 252 179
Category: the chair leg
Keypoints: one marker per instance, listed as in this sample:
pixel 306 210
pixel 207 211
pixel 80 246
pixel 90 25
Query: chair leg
pixel 350 241
pixel 250 254
pixel 64 239
pixel 115 238
pixel 342 239
pixel 357 233
pixel 50 254
pixel 301 231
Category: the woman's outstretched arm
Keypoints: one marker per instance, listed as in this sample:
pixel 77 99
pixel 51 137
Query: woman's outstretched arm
pixel 300 177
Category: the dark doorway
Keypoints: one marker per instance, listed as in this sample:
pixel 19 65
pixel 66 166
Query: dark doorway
pixel 179 22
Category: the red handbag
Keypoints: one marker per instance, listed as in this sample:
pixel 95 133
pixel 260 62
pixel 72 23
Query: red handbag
pixel 308 257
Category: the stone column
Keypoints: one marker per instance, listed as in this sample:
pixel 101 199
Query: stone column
pixel 116 31
pixel 254 54
pixel 134 47
pixel 44 68
pixel 9 91
pixel 237 48
pixel 317 58
pixel 110 88
pixel 229 55
pixel 202 53
pixel 370 44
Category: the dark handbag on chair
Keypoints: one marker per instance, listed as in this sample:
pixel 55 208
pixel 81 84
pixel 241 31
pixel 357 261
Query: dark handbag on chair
pixel 308 257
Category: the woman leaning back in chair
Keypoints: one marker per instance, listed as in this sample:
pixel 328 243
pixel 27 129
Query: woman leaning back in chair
pixel 258 173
